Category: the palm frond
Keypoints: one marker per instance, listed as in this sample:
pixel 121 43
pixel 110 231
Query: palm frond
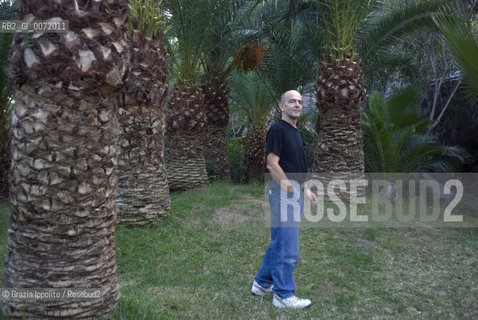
pixel 393 67
pixel 146 15
pixel 463 45
pixel 381 30
pixel 253 95
pixel 228 32
pixel 188 26
pixel 395 138
pixel 342 19
pixel 290 62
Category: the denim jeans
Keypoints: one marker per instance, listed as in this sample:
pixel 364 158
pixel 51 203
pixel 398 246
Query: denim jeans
pixel 281 257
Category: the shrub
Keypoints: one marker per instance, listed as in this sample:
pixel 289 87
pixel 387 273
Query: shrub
pixel 212 169
pixel 237 159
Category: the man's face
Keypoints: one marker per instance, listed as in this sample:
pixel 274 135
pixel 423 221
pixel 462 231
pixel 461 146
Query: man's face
pixel 292 106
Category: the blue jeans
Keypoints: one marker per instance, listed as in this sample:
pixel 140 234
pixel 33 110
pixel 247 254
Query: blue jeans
pixel 283 252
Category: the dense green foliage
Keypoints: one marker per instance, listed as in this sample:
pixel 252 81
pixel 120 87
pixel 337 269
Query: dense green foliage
pixel 145 15
pixel 395 138
pixel 237 159
pixel 463 45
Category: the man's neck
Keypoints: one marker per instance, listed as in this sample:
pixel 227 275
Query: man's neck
pixel 292 122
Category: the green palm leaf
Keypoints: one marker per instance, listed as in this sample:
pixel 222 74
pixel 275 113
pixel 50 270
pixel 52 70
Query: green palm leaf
pixel 253 95
pixel 381 30
pixel 146 15
pixel 188 26
pixel 463 45
pixel 395 138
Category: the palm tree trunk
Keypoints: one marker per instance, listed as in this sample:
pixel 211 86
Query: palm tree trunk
pixel 340 146
pixel 215 141
pixel 340 93
pixel 143 193
pixel 4 167
pixel 339 154
pixel 256 153
pixel 185 124
pixel 64 135
pixel 215 148
pixel 63 216
pixel 186 167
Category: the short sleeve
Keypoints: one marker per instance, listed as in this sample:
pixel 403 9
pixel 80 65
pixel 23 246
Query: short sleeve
pixel 275 141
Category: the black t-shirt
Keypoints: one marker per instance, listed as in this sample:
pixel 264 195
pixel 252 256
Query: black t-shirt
pixel 284 141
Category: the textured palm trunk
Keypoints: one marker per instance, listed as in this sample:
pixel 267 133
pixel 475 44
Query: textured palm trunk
pixel 64 135
pixel 256 153
pixel 340 93
pixel 185 124
pixel 215 141
pixel 143 193
pixel 4 167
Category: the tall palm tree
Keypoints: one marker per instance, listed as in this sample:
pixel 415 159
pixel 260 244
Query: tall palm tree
pixel 354 33
pixel 143 193
pixel 395 138
pixel 230 42
pixel 217 64
pixel 188 23
pixel 194 29
pixel 253 95
pixel 64 135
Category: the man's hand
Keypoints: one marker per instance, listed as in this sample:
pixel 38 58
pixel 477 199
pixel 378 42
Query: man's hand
pixel 311 196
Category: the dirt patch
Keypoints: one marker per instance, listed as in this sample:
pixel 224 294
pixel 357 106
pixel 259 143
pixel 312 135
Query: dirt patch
pixel 258 202
pixel 226 217
pixel 244 209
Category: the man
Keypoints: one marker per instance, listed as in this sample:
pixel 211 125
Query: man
pixel 287 166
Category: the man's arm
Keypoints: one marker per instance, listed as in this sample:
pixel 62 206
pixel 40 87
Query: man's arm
pixel 281 179
pixel 277 173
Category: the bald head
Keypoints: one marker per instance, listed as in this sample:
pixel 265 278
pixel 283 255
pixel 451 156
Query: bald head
pixel 284 96
pixel 291 106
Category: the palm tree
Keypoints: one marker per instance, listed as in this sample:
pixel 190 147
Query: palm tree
pixel 395 138
pixel 186 117
pixel 143 193
pixel 64 135
pixel 354 33
pixel 252 94
pixel 231 44
pixel 194 28
pixel 218 52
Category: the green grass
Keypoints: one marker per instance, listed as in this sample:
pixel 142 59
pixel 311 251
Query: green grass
pixel 199 262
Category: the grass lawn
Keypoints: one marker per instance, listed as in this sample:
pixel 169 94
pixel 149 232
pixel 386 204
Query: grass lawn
pixel 199 263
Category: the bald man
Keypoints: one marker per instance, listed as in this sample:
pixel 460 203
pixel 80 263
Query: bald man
pixel 287 166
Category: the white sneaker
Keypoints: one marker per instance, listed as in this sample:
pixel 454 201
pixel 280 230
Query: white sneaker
pixel 259 290
pixel 291 302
